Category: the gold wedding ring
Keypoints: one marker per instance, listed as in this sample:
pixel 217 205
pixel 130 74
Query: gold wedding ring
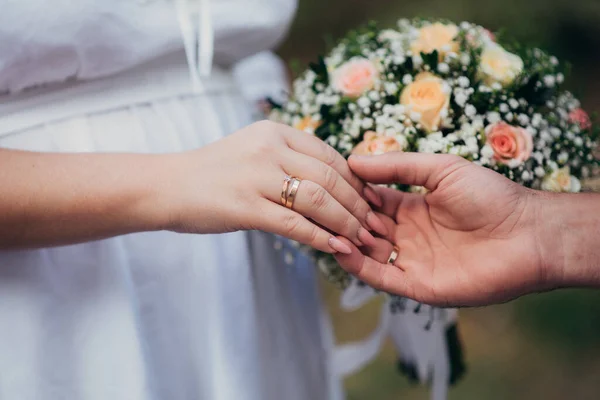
pixel 289 191
pixel 284 190
pixel 292 194
pixel 394 256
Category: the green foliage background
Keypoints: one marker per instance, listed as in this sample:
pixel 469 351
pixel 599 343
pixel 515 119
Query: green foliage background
pixel 544 346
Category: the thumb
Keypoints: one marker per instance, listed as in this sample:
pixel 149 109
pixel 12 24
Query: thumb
pixel 418 169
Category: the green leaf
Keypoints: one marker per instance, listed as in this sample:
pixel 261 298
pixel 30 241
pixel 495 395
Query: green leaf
pixel 320 68
pixel 431 59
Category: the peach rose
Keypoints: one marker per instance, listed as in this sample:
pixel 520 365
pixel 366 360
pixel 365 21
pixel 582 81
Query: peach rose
pixel 307 124
pixel 374 144
pixel 355 77
pixel 581 118
pixel 438 36
pixel 428 97
pixel 561 180
pixel 509 142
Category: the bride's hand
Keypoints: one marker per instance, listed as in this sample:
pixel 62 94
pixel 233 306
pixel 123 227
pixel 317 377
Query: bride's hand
pixel 236 183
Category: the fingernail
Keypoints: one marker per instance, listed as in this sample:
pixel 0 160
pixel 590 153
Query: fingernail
pixel 339 246
pixel 365 237
pixel 376 224
pixel 372 196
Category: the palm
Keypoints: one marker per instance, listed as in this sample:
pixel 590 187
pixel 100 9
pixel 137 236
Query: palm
pixel 459 240
pixel 464 243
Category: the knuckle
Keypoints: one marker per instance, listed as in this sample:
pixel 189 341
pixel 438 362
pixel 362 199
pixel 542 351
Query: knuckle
pixel 330 155
pixel 314 235
pixel 317 196
pixel 359 208
pixel 265 125
pixel 330 178
pixel 351 225
pixel 292 223
pixel 356 183
pixel 267 130
pixel 261 149
pixel 397 173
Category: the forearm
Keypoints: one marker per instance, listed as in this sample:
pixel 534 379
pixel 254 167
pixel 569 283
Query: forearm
pixel 56 199
pixel 568 227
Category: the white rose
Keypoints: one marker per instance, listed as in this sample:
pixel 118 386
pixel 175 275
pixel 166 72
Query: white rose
pixel 499 66
pixel 561 180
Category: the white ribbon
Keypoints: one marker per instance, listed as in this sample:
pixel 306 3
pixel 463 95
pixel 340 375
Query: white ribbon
pixel 425 349
pixel 352 357
pixel 195 22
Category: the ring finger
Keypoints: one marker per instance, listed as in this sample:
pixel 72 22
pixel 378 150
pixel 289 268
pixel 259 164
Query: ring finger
pixel 314 202
pixel 297 164
pixel 383 251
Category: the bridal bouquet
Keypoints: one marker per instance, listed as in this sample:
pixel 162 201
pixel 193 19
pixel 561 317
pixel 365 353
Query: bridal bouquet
pixel 437 87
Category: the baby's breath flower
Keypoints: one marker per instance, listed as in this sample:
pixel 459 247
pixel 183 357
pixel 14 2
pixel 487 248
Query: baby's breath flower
pixel 549 80
pixel 463 82
pixel 493 117
pixel 470 110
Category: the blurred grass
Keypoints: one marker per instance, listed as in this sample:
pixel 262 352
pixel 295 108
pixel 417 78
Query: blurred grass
pixel 544 346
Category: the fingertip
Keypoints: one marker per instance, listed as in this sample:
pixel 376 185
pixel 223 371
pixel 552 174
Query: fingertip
pixel 347 243
pixel 372 196
pixel 376 224
pixel 366 238
pixel 357 160
pixel 339 246
pixel 349 262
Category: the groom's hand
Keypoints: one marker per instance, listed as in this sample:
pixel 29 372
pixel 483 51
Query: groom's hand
pixel 470 241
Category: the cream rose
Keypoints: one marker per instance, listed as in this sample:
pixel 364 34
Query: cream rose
pixel 509 142
pixel 375 144
pixel 429 97
pixel 561 180
pixel 355 77
pixel 438 36
pixel 498 65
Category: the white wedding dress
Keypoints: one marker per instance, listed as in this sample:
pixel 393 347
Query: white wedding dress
pixel 159 316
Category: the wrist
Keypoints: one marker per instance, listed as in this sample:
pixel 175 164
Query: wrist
pixel 566 229
pixel 547 222
pixel 185 194
pixel 158 207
